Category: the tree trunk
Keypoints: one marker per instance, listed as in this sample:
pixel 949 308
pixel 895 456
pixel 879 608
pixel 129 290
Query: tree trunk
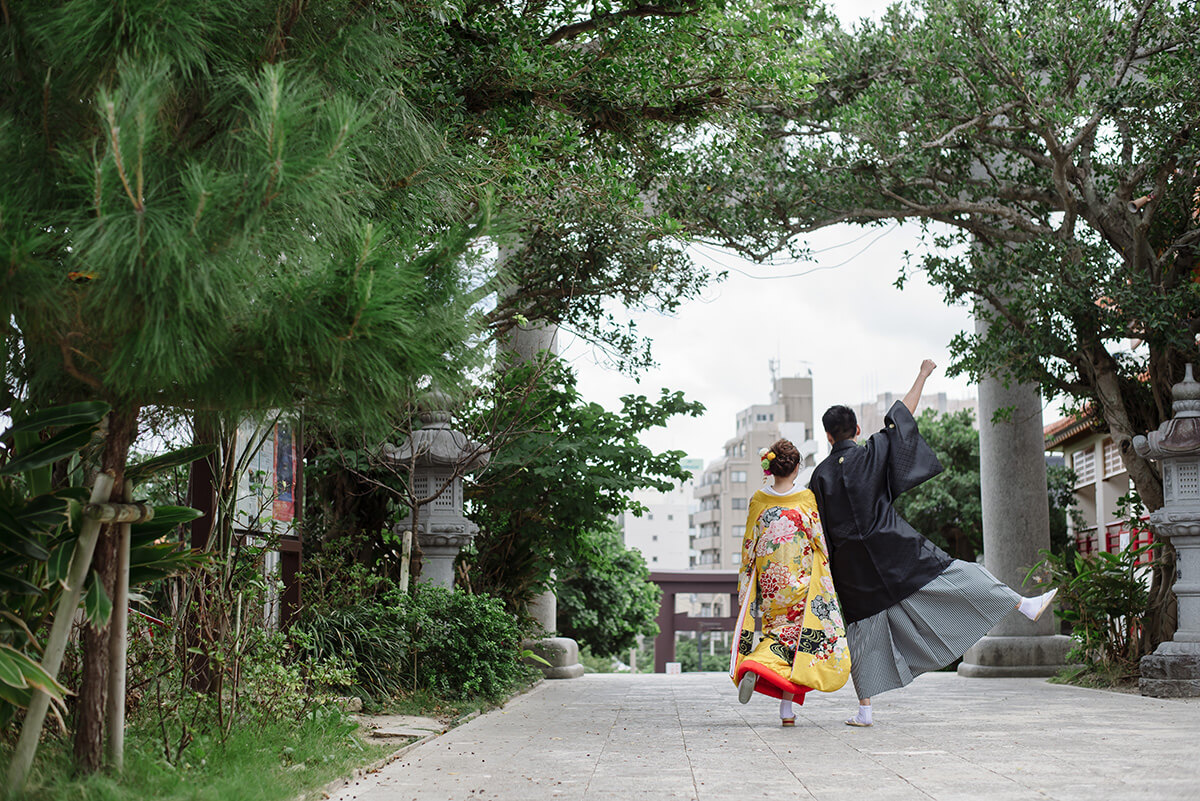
pixel 1161 608
pixel 122 428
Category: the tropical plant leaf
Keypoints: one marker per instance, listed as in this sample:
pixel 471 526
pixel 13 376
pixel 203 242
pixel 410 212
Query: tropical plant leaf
pixel 139 472
pixel 166 518
pixel 58 566
pixel 17 696
pixel 60 446
pixel 16 537
pixel 10 673
pixel 45 513
pixel 150 563
pixel 72 414
pixel 35 675
pixel 97 606
pixel 16 624
pixel 15 585
pixel 27 676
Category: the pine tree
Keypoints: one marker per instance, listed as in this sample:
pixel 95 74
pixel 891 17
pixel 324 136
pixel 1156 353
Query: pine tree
pixel 204 207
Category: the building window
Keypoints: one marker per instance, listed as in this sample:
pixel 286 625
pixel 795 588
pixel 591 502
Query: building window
pixel 771 417
pixel 653 558
pixel 1112 459
pixel 670 517
pixel 650 516
pixel 738 532
pixel 760 417
pixel 735 558
pixel 737 476
pixel 739 503
pixel 654 538
pixel 1084 464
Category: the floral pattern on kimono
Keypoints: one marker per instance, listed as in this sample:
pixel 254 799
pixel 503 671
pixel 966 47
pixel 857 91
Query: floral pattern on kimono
pixel 780 547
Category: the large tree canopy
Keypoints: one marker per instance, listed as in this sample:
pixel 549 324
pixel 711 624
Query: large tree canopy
pixel 576 114
pixel 1027 129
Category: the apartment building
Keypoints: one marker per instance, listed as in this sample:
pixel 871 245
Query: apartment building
pixel 870 413
pixel 662 533
pixel 724 489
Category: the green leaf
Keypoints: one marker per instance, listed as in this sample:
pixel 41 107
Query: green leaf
pixel 166 519
pixel 58 566
pixel 10 672
pixel 97 606
pixel 18 697
pixel 59 446
pixel 16 537
pixel 45 513
pixel 150 563
pixel 192 453
pixel 15 585
pixel 89 412
pixel 32 675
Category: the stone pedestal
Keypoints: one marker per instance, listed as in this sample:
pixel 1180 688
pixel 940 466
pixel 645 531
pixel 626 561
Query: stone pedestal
pixel 1016 525
pixel 439 550
pixel 561 652
pixel 1173 670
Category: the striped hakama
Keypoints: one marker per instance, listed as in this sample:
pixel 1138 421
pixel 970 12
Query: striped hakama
pixel 927 630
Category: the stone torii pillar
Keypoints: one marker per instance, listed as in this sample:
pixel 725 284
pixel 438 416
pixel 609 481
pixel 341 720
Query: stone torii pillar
pixel 1016 525
pixel 527 342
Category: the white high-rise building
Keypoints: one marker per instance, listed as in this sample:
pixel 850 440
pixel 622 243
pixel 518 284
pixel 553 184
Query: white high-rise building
pixel 661 532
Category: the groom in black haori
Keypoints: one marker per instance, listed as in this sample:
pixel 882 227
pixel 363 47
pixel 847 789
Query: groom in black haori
pixel 909 606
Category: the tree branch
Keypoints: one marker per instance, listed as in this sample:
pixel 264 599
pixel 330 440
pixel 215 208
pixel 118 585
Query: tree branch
pixel 604 20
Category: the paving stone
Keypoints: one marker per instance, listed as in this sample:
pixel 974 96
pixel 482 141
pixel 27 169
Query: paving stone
pixel 943 738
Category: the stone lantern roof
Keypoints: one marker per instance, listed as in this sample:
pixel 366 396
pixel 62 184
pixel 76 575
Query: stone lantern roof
pixel 436 443
pixel 1181 434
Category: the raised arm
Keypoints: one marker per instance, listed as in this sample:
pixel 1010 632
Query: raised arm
pixel 914 395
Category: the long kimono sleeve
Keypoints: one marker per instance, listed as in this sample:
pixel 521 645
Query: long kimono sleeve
pixel 746 573
pixel 910 459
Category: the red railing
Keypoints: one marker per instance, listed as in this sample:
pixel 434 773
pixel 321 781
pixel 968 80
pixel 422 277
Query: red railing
pixel 1088 541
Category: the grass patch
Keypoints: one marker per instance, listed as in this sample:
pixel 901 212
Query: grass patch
pixel 426 704
pixel 1117 678
pixel 273 761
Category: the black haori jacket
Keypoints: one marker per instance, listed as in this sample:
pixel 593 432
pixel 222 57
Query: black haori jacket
pixel 876 557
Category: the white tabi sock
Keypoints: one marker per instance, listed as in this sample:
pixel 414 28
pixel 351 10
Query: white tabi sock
pixel 1032 608
pixel 785 710
pixel 864 715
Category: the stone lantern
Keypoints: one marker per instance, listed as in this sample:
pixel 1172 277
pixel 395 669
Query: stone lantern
pixel 438 456
pixel 1173 670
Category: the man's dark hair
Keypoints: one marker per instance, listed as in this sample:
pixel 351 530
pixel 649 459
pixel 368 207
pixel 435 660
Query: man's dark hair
pixel 840 422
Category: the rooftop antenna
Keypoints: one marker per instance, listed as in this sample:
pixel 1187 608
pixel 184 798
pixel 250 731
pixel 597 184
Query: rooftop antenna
pixel 774 367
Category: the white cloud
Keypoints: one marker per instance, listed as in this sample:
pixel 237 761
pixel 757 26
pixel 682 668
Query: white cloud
pixel 850 325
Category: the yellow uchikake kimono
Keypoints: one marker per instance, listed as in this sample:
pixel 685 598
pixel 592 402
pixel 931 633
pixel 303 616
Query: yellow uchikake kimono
pixel 782 552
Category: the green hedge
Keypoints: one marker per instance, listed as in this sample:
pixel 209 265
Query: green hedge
pixel 453 644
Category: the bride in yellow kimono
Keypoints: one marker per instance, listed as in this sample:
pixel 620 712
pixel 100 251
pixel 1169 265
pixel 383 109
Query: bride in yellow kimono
pixel 783 540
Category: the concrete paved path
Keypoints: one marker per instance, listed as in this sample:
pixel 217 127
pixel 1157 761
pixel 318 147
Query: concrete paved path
pixel 686 737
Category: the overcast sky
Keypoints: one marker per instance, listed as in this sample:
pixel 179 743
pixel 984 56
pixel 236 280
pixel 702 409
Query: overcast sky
pixel 857 333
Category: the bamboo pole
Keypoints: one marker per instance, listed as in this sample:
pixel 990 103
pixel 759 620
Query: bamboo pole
pixel 118 647
pixel 56 644
pixel 120 512
pixel 405 557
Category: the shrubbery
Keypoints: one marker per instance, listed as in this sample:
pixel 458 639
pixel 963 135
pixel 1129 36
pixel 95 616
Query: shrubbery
pixel 1103 597
pixel 453 644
